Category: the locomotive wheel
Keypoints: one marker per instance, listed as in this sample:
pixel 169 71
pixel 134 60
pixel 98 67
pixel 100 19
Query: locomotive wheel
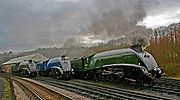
pixel 152 82
pixel 140 82
pixel 50 72
pixel 58 74
pixel 24 73
pixel 33 74
pixel 99 76
pixel 111 78
pixel 41 73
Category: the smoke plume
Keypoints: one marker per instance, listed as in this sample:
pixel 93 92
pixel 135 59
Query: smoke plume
pixel 112 20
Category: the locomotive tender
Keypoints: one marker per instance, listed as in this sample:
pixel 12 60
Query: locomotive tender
pixel 59 67
pixel 131 64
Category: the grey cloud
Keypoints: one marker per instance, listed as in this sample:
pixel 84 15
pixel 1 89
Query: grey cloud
pixel 38 23
pixel 30 24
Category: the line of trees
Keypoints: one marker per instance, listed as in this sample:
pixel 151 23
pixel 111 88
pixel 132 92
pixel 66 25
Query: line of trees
pixel 165 47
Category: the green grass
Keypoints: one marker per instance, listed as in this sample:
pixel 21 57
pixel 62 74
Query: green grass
pixel 7 90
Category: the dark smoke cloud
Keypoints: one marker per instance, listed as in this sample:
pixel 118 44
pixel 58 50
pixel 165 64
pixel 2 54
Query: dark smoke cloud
pixel 116 19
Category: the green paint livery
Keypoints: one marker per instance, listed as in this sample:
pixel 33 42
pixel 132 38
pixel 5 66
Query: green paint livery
pixel 121 56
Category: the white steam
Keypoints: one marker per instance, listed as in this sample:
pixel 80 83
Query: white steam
pixel 161 19
pixel 166 12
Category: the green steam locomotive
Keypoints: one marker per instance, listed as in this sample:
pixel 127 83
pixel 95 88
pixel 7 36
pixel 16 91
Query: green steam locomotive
pixel 127 65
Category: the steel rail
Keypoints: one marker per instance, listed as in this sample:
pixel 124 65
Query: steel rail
pixel 165 90
pixel 94 94
pixel 130 93
pixel 172 83
pixel 31 90
pixel 54 91
pixel 106 90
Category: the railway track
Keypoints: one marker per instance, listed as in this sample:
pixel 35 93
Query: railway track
pixel 89 93
pixel 169 91
pixel 170 83
pixel 97 91
pixel 40 91
pixel 130 93
pixel 168 86
pixel 37 96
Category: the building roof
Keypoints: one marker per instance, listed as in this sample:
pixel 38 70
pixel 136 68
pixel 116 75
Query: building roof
pixel 35 57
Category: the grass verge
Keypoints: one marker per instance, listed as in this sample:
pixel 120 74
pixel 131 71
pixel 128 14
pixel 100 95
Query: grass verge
pixel 7 90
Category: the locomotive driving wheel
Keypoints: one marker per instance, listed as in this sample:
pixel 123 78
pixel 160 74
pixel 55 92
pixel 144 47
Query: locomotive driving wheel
pixel 51 72
pixel 140 82
pixel 152 82
pixel 58 74
pixel 55 73
pixel 25 73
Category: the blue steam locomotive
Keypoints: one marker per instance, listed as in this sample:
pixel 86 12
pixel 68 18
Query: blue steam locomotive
pixel 59 67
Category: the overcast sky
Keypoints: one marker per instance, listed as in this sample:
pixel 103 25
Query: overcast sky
pixel 32 24
pixel 164 14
